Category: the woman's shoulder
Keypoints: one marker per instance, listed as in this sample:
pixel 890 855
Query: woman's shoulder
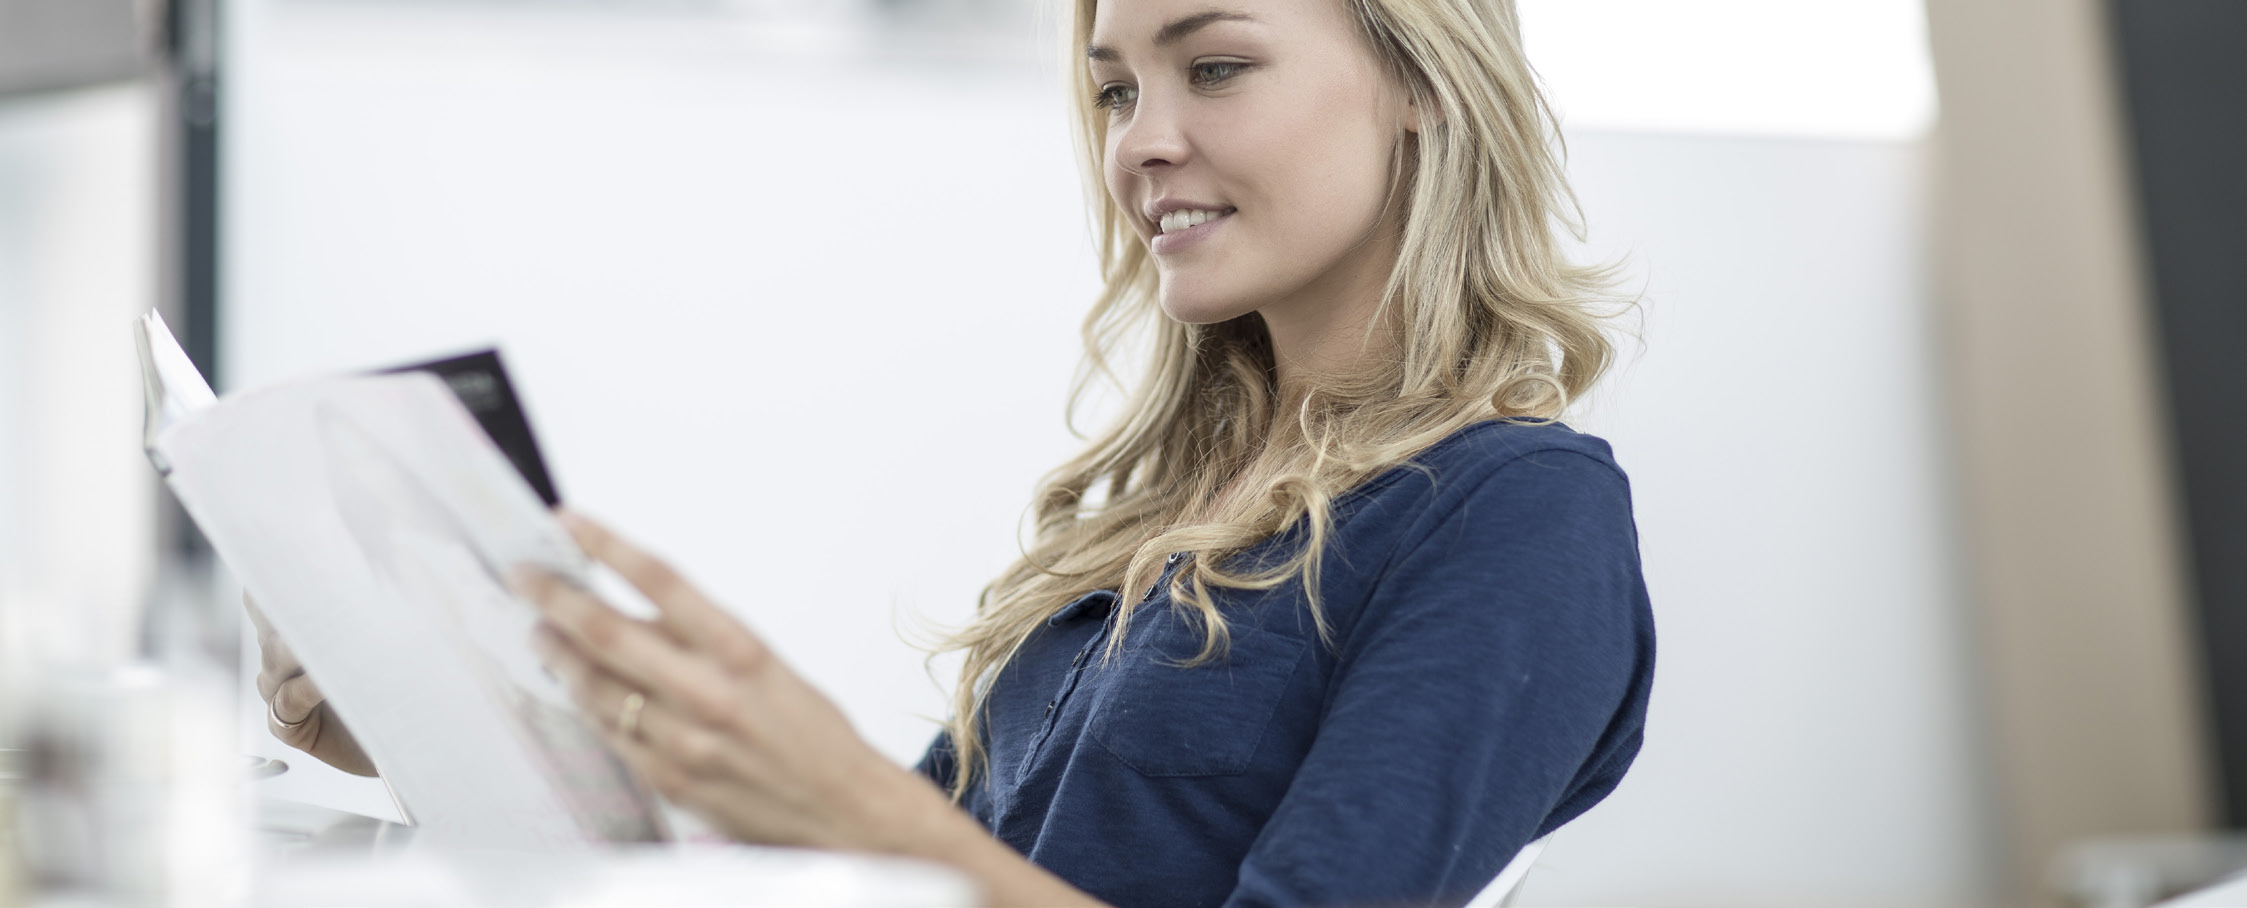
pixel 1489 446
pixel 1486 457
pixel 1499 468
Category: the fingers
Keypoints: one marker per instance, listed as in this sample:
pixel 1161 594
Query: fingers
pixel 596 691
pixel 292 698
pixel 634 651
pixel 318 731
pixel 295 699
pixel 276 662
pixel 685 611
pixel 659 742
pixel 294 721
pixel 277 665
pixel 299 733
pixel 715 723
pixel 257 616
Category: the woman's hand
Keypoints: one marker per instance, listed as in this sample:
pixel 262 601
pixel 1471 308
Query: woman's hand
pixel 722 727
pixel 295 710
pixel 706 713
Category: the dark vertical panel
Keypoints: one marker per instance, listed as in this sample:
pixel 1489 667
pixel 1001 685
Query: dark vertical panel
pixel 192 126
pixel 194 39
pixel 2184 69
pixel 199 264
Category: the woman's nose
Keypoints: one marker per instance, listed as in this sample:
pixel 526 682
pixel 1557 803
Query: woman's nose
pixel 1150 138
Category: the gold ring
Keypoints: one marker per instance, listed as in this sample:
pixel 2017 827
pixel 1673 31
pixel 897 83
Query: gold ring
pixel 628 719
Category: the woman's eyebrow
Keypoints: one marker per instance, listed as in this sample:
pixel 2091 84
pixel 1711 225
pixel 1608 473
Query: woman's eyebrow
pixel 1171 34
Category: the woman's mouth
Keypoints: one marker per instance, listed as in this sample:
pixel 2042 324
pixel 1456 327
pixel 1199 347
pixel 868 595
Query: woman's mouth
pixel 1179 229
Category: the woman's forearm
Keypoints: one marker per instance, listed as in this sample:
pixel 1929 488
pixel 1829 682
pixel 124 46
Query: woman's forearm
pixel 921 823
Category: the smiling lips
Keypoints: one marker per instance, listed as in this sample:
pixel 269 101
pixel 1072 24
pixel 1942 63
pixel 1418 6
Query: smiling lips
pixel 1177 230
pixel 1191 217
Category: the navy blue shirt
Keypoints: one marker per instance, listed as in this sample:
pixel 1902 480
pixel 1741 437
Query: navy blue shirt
pixel 1487 682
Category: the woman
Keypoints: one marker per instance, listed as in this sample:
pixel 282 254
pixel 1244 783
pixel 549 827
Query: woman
pixel 1386 622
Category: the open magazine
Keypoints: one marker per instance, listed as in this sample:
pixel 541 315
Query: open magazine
pixel 374 519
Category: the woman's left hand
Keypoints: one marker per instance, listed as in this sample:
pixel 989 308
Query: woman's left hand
pixel 705 712
pixel 721 726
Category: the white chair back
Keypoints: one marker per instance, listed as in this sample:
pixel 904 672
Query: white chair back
pixel 1501 891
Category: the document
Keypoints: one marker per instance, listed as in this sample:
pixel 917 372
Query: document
pixel 373 518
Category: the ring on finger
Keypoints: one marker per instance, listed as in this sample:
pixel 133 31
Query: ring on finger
pixel 628 718
pixel 273 711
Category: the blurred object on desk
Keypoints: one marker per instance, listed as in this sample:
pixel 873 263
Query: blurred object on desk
pixel 11 866
pixel 2137 871
pixel 125 791
pixel 2229 894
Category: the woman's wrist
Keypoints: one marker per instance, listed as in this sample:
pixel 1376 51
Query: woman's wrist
pixel 903 814
pixel 909 817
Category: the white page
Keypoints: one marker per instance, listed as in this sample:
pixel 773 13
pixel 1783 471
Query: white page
pixel 172 390
pixel 372 519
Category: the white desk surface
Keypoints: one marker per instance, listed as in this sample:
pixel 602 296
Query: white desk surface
pixel 311 855
pixel 303 854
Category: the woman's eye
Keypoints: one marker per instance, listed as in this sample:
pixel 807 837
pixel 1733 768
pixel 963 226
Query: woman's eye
pixel 1114 96
pixel 1214 71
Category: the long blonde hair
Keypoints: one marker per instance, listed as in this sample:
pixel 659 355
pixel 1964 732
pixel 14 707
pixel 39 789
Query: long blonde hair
pixel 1489 319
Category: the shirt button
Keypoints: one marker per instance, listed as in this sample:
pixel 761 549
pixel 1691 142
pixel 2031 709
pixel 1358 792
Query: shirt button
pixel 1172 559
pixel 1050 705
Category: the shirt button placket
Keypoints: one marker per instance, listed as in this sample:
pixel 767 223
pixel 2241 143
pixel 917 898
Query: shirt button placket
pixel 1169 561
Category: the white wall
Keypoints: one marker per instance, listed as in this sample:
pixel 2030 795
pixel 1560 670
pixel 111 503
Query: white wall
pixel 1812 737
pixel 800 315
pixel 1856 69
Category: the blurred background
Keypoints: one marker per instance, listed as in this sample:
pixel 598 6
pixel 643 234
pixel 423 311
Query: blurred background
pixel 1935 414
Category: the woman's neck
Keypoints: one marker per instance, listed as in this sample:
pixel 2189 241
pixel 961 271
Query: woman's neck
pixel 1312 350
pixel 1328 332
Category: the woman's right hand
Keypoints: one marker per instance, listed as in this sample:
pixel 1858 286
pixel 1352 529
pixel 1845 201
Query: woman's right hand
pixel 295 710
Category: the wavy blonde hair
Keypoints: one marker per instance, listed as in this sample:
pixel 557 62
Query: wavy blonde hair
pixel 1487 316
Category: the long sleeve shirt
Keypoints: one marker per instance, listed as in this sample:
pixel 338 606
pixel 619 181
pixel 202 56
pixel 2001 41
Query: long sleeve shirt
pixel 1487 680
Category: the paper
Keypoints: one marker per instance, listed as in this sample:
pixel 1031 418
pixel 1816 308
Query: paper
pixel 373 522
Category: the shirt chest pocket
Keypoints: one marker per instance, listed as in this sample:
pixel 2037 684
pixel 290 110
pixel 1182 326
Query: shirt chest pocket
pixel 1162 717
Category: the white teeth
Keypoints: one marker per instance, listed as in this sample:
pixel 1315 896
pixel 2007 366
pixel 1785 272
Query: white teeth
pixel 1180 220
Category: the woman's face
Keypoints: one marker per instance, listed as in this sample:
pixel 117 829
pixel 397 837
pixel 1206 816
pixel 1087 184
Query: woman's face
pixel 1249 142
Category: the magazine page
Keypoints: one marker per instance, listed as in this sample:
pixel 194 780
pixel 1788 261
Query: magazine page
pixel 172 389
pixel 374 522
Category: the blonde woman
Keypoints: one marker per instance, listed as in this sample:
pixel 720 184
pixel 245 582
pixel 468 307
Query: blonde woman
pixel 1336 613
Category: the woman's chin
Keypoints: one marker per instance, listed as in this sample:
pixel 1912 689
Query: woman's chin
pixel 1200 308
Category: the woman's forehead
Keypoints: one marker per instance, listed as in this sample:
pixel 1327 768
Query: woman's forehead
pixel 1141 24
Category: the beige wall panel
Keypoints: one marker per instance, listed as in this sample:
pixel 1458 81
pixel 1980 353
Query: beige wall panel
pixel 2071 521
